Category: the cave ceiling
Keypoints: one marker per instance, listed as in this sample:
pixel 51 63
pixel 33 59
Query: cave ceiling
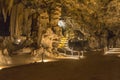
pixel 84 12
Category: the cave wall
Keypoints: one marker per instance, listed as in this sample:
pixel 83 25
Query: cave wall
pixel 27 21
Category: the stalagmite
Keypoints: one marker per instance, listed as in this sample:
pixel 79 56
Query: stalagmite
pixel 43 24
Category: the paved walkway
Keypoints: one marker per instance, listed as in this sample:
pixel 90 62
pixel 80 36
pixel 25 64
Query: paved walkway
pixel 113 51
pixel 94 67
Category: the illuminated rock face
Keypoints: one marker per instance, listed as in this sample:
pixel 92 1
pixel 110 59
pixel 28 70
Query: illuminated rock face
pixel 32 18
pixel 30 22
pixel 48 39
pixel 4 59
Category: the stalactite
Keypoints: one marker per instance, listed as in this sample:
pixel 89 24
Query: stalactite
pixel 4 14
pixel 16 20
pixel 6 6
pixel 10 2
pixel 13 21
pixel 19 19
pixel 27 20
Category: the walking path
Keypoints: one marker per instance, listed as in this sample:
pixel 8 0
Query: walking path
pixel 94 67
pixel 21 60
pixel 113 51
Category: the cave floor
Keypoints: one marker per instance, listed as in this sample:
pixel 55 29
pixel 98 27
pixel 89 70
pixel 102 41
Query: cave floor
pixel 94 66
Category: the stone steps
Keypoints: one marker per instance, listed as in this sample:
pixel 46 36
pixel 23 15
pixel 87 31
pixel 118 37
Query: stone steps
pixel 63 42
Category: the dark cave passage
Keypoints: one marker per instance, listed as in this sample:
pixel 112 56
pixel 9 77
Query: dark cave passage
pixel 4 26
